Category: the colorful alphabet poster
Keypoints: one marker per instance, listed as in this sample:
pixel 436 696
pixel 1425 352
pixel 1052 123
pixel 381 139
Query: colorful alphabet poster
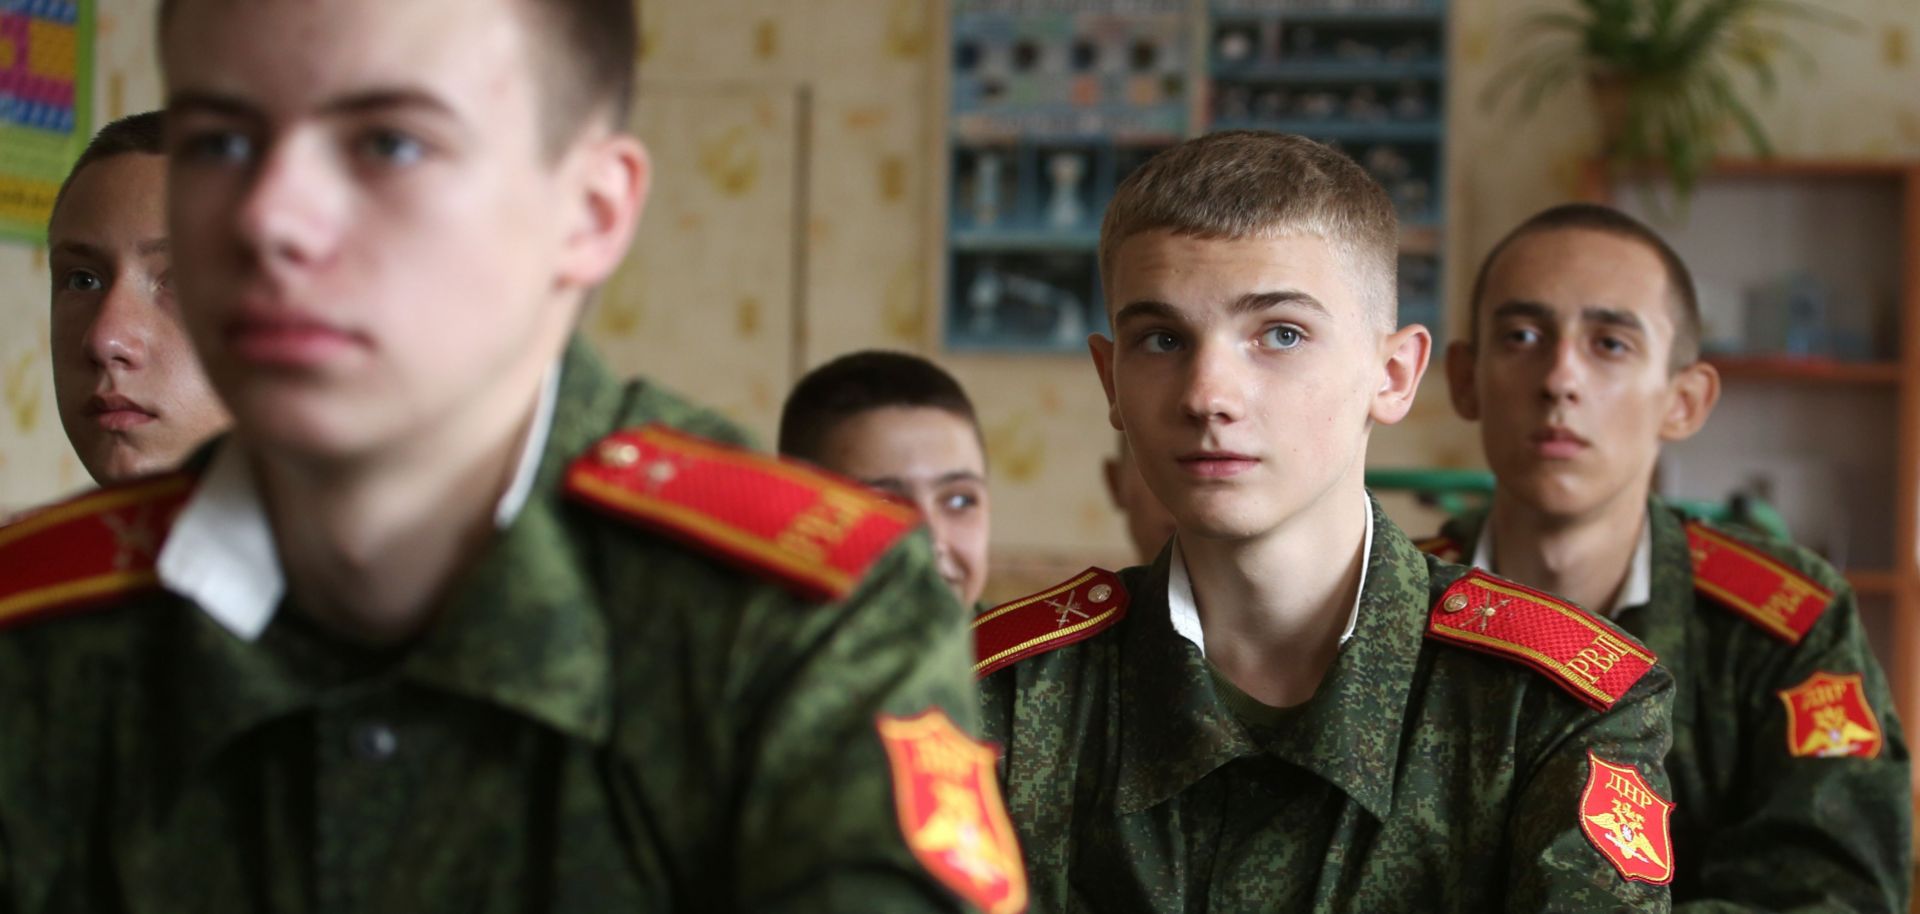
pixel 46 93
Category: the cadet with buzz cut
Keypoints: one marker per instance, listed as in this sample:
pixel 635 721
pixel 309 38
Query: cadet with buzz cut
pixel 454 621
pixel 899 423
pixel 1293 709
pixel 1790 770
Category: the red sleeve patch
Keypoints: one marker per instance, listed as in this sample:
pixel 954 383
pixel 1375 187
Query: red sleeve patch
pixel 1577 651
pixel 1627 821
pixel 1084 606
pixel 87 550
pixel 1779 599
pixel 1828 717
pixel 812 531
pixel 948 799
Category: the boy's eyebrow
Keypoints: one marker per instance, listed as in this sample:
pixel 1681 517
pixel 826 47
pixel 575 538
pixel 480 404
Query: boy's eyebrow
pixel 1261 301
pixel 83 250
pixel 1245 304
pixel 1613 317
pixel 78 249
pixel 959 476
pixel 369 100
pixel 1523 308
pixel 1145 310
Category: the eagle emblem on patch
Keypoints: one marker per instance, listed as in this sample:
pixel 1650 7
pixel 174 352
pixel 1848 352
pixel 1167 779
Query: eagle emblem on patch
pixel 1828 717
pixel 948 799
pixel 1627 821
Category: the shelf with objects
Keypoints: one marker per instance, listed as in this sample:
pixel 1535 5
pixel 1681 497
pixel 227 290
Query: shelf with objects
pixel 1808 274
pixel 1366 76
pixel 1051 103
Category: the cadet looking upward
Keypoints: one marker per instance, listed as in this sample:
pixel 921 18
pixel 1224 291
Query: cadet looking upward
pixel 900 424
pixel 1293 709
pixel 1789 767
pixel 131 394
pixel 453 620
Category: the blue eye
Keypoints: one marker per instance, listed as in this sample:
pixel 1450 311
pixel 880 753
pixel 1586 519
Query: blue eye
pixel 1159 341
pixel 391 147
pixel 215 146
pixel 959 501
pixel 1282 336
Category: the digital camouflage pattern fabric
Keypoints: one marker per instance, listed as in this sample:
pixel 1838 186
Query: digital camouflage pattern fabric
pixel 1775 811
pixel 602 719
pixel 1422 776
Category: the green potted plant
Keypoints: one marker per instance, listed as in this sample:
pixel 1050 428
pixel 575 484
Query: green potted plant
pixel 1665 75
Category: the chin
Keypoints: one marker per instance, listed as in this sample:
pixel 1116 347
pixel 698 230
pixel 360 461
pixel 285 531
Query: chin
pixel 305 427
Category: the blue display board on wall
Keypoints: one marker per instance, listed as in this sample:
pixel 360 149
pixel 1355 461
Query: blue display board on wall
pixel 1053 102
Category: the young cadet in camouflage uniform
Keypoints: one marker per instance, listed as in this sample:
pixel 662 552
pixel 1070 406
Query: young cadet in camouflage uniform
pixel 454 621
pixel 1788 764
pixel 903 425
pixel 1293 709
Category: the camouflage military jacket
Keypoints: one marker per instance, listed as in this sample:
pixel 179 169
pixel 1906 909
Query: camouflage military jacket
pixel 601 720
pixel 1763 822
pixel 1420 777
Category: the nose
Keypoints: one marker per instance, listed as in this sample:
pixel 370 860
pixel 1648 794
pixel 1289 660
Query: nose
pixel 1566 375
pixel 117 338
pixel 1215 386
pixel 291 215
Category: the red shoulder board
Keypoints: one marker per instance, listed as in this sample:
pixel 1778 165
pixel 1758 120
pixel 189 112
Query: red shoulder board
pixel 1577 651
pixel 814 532
pixel 87 550
pixel 1082 607
pixel 1779 599
pixel 1441 546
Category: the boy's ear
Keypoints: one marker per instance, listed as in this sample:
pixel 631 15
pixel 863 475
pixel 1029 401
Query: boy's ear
pixel 1693 392
pixel 1406 352
pixel 1462 386
pixel 614 174
pixel 1102 349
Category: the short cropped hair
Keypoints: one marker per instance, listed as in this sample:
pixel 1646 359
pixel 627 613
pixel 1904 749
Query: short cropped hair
pixel 585 56
pixel 141 134
pixel 862 381
pixel 1594 217
pixel 1240 184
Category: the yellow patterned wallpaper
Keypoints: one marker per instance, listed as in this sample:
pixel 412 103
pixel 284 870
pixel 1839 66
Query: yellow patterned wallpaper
pixel 756 108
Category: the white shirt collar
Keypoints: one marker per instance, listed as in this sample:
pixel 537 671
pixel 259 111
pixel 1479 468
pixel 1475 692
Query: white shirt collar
pixel 1639 586
pixel 220 553
pixel 1186 612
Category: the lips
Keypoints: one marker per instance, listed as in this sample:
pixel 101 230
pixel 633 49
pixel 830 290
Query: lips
pixel 117 413
pixel 289 339
pixel 1558 443
pixel 1216 464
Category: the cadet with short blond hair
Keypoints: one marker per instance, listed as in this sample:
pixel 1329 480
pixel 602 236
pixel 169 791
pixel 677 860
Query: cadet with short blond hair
pixel 1292 709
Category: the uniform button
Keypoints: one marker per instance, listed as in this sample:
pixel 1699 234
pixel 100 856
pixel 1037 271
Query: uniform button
pixel 1099 593
pixel 1455 603
pixel 619 454
pixel 375 742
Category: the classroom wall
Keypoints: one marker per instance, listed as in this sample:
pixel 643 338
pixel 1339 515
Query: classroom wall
pixel 796 147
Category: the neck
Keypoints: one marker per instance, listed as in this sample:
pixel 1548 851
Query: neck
pixel 1583 558
pixel 1273 607
pixel 370 544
